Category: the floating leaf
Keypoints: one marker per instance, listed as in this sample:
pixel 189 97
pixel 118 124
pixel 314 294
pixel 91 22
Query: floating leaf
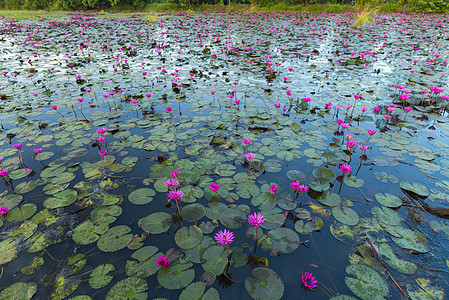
pixel 64 286
pixel 128 288
pixel 105 214
pixel 415 188
pixel 267 285
pixel 177 276
pixel 99 277
pixel 157 222
pixel 61 199
pixel 426 290
pixel 345 215
pixel 215 259
pixel 85 234
pixel 353 181
pixel 116 238
pixel 332 199
pixel 402 266
pixel 193 212
pixel 141 196
pixel 22 213
pixel 386 215
pixel 195 291
pixel 146 262
pixel 8 249
pixel 188 237
pixel 350 236
pixel 232 218
pixel 19 291
pixel 388 200
pixel 411 240
pixel 284 240
pixel 367 284
pixel 324 174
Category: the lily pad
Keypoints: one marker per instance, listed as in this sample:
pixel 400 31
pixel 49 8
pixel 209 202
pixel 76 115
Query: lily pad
pixel 116 238
pixel 390 258
pixel 61 199
pixel 353 236
pixel 195 291
pixel 188 237
pixel 366 283
pixel 284 240
pixel 386 215
pixel 353 181
pixel 177 276
pixel 215 259
pixel 19 291
pixel 145 265
pixel 99 277
pixel 388 200
pixel 265 285
pixel 128 288
pixel 141 196
pixel 193 212
pixel 425 289
pixel 415 188
pixel 345 215
pixel 332 199
pixel 21 213
pixel 157 222
pixel 324 174
pixel 8 249
pixel 411 240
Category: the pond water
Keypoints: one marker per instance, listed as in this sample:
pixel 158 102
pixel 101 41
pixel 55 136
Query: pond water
pixel 97 113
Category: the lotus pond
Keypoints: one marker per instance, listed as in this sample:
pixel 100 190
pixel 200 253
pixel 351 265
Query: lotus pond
pixel 127 145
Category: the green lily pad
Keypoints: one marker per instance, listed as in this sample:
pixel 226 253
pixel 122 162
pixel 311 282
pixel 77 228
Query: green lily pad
pixel 345 215
pixel 193 212
pixel 386 215
pixel 61 199
pixel 99 277
pixel 215 259
pixel 141 196
pixel 332 199
pixel 35 265
pixel 177 276
pixel 267 285
pixel 11 200
pixel 343 297
pixel 85 233
pixel 388 200
pixel 225 170
pixel 116 238
pixel 415 188
pixel 424 289
pixel 26 186
pixel 191 194
pixel 105 214
pixel 353 236
pixel 8 249
pixel 128 288
pixel 145 265
pixel 366 283
pixel 306 228
pixel 232 218
pixel 64 286
pixel 284 240
pixel 19 291
pixel 26 230
pixel 188 237
pixel 195 291
pixel 353 181
pixel 19 214
pixel 411 240
pixel 324 174
pixel 390 258
pixel 157 222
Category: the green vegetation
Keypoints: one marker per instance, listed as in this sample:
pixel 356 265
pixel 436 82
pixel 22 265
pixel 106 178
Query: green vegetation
pixel 332 6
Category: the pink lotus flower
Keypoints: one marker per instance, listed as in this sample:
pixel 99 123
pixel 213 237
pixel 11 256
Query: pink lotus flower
pixel 250 156
pixel 277 105
pixel 214 186
pixel 356 96
pixel 148 96
pixel 224 237
pixel 17 146
pixel 3 210
pixel 372 132
pixel 349 136
pixel 169 109
pixel 288 92
pixel 80 99
pixel 256 219
pixel 101 139
pixel 303 188
pixel 3 172
pixel 28 170
pixel 212 92
pixel 171 182
pixel 163 262
pixel 295 185
pixel 364 108
pixel 340 121
pixel 38 150
pixel 134 101
pixel 407 109
pixel 345 125
pixel 272 189
pixel 176 194
pixel 102 153
pixel 345 168
pixel 387 116
pixel 102 130
pixel 327 105
pixel 376 109
pixel 309 281
pixel 246 142
pixel 54 107
pixel 175 173
pixel 362 147
pixel 350 144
